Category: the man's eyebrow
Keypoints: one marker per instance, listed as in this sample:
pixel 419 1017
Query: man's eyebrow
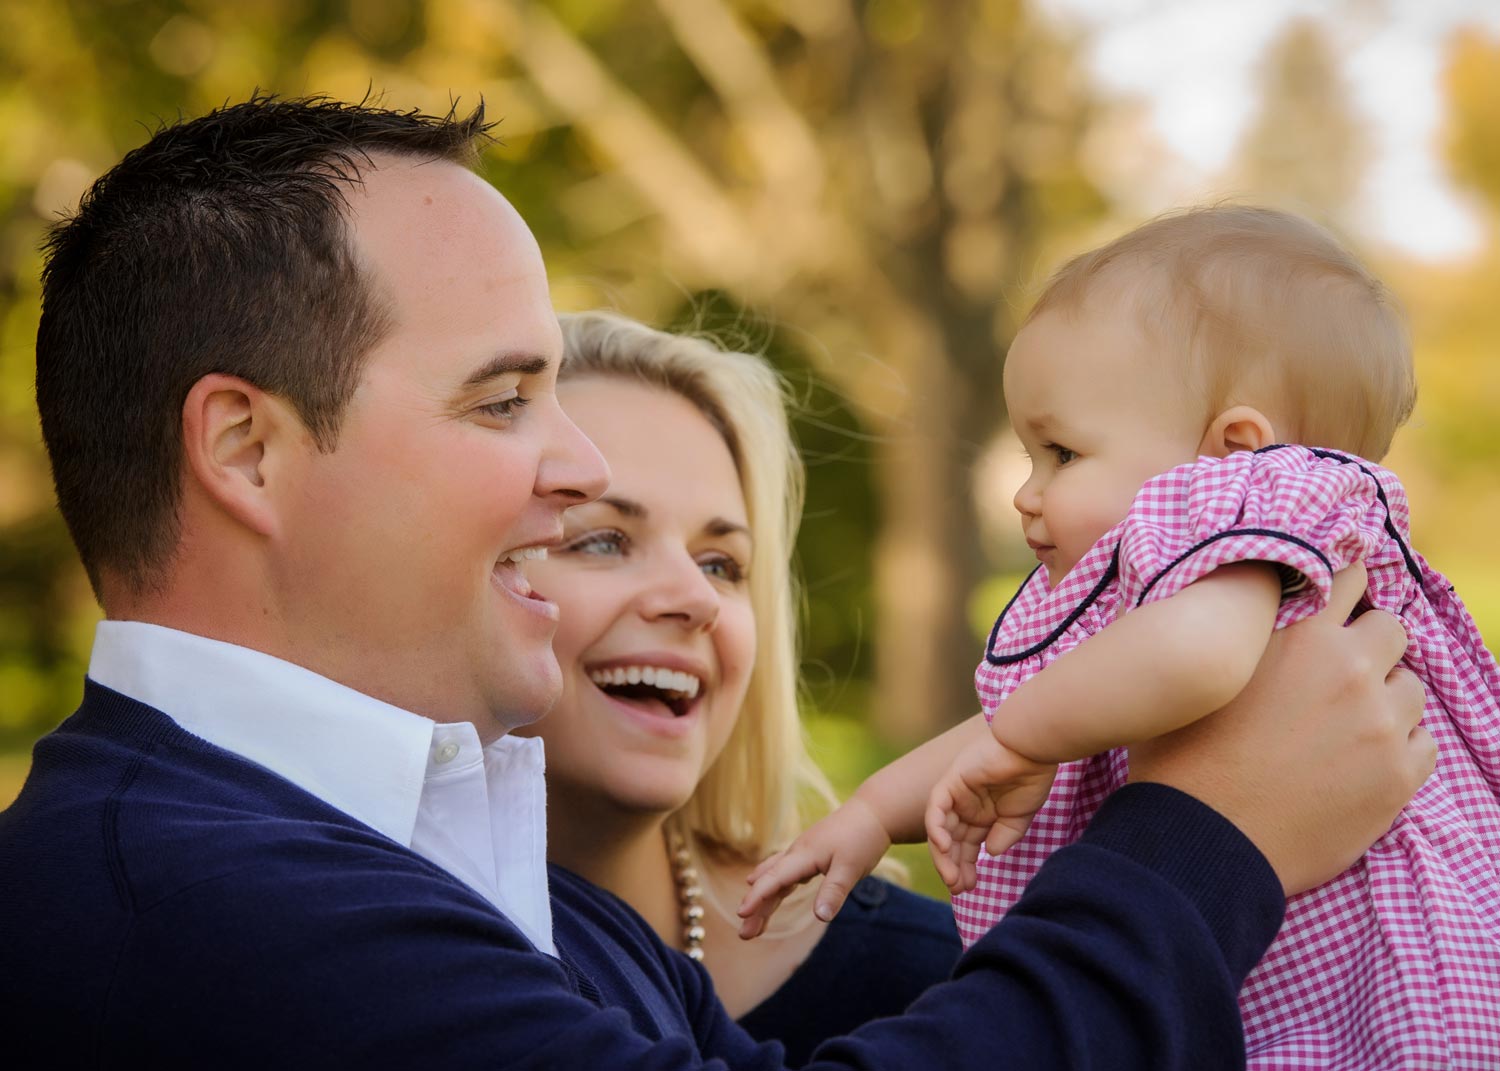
pixel 526 364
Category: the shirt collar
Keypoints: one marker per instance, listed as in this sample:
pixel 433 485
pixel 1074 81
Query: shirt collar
pixel 363 756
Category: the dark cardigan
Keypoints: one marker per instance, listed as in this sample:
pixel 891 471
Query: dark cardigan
pixel 164 903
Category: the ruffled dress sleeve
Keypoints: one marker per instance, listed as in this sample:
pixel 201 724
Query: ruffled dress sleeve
pixel 1040 623
pixel 1309 512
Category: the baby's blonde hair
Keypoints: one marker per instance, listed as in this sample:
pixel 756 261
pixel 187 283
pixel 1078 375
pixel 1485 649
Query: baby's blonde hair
pixel 1264 308
pixel 750 802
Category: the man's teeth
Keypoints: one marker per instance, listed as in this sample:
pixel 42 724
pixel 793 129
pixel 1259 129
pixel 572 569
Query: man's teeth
pixel 525 554
pixel 668 680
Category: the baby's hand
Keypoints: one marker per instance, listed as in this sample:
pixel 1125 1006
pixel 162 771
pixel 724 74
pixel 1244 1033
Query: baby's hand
pixel 988 796
pixel 845 846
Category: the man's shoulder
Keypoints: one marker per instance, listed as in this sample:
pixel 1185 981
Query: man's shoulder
pixel 140 874
pixel 117 828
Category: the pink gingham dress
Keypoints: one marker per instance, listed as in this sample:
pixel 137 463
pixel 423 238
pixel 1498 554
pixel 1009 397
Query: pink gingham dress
pixel 1396 962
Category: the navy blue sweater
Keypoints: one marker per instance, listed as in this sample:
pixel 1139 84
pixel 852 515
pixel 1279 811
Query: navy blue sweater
pixel 879 954
pixel 165 903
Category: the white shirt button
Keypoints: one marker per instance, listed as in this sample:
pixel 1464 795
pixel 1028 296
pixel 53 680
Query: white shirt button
pixel 447 753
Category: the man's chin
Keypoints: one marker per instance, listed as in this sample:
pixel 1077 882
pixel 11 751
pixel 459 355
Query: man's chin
pixel 520 703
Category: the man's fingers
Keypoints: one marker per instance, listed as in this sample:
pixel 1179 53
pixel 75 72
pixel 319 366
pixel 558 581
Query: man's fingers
pixel 1423 750
pixel 1348 586
pixel 1384 634
pixel 1411 696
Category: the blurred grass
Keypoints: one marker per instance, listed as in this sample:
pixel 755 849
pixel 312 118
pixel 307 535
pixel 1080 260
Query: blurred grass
pixel 13 767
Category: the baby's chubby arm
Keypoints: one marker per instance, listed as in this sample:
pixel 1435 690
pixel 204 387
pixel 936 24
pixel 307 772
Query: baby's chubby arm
pixel 889 808
pixel 1155 669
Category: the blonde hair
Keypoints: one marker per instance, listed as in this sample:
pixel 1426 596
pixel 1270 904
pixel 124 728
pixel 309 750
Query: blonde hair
pixel 750 802
pixel 1265 308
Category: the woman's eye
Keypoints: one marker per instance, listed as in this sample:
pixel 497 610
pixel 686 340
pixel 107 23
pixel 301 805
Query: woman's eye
pixel 723 568
pixel 505 408
pixel 604 544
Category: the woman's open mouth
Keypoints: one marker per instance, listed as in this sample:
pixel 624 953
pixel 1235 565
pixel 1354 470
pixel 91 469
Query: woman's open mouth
pixel 666 692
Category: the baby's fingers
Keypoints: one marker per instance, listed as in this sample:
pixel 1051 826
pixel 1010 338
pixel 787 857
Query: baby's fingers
pixel 1005 833
pixel 777 876
pixel 835 889
pixel 767 863
pixel 942 861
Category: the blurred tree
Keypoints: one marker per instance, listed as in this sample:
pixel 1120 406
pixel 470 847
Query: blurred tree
pixel 882 174
pixel 1456 323
pixel 885 177
pixel 1307 147
pixel 1472 84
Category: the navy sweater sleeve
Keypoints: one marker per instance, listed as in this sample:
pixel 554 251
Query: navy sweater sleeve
pixel 167 905
pixel 1127 951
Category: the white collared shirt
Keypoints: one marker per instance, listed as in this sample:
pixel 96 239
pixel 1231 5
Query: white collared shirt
pixel 480 813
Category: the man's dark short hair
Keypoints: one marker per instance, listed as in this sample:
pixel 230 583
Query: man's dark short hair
pixel 220 245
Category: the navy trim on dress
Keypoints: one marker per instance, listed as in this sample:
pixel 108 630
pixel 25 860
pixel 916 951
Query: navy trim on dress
pixel 1077 612
pixel 1267 532
pixel 1390 526
pixel 1114 565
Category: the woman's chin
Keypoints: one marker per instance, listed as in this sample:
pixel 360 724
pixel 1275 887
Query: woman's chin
pixel 658 798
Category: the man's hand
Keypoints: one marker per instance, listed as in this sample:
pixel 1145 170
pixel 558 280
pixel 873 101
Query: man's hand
pixel 988 796
pixel 1315 757
pixel 845 847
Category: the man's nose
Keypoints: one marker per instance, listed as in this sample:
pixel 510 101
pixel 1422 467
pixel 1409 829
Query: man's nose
pixel 572 467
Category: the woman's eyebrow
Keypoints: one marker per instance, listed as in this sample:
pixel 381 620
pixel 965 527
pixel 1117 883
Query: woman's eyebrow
pixel 626 507
pixel 527 364
pixel 721 527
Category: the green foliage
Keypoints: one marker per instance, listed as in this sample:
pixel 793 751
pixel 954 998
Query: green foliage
pixel 1473 89
pixel 862 191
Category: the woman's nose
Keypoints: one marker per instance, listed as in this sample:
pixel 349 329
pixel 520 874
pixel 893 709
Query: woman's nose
pixel 681 592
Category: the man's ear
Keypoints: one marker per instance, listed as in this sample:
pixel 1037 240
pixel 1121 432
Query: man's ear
pixel 232 433
pixel 1239 427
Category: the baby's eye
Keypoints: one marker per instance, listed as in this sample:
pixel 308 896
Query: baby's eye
pixel 605 543
pixel 1062 453
pixel 723 567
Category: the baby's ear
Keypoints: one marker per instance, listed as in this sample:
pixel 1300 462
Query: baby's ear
pixel 1239 427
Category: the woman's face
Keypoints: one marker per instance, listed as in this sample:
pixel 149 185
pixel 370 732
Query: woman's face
pixel 657 635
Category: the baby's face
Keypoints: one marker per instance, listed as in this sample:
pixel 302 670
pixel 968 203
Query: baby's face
pixel 1098 415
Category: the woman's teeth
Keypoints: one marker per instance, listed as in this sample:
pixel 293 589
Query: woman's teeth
pixel 667 680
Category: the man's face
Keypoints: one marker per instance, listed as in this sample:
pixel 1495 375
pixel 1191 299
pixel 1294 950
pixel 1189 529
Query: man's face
pixel 396 565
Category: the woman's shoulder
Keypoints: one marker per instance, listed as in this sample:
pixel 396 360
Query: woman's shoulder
pixel 884 907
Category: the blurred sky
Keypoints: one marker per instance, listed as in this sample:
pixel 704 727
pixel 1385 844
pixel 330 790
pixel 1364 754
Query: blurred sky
pixel 1194 63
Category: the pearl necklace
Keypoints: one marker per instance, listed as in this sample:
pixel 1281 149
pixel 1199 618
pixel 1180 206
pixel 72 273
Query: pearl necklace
pixel 689 894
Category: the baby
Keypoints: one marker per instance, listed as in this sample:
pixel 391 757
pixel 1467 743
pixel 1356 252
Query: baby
pixel 1157 386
